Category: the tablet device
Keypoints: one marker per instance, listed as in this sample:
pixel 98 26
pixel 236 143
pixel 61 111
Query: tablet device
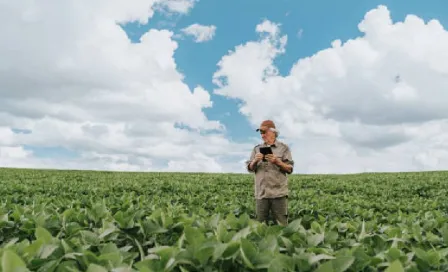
pixel 265 150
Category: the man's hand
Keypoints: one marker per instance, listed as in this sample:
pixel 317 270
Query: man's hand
pixel 272 159
pixel 258 157
pixel 277 161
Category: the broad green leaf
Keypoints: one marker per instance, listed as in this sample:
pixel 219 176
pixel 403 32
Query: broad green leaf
pixel 420 253
pixel 293 227
pixel 150 228
pixel 204 254
pixel 87 258
pixel 231 249
pixel 11 243
pixel 393 254
pixel 68 266
pixel 331 237
pixel 341 264
pixel 194 236
pixel 281 262
pixel 90 237
pixel 44 235
pixel 11 262
pixel 108 228
pixel 362 259
pixel 434 258
pixel 317 258
pixel 219 251
pixel 316 227
pixel 444 232
pixel 243 233
pixel 112 258
pixel 248 252
pixel 96 268
pixel 65 245
pixel 221 232
pixel 286 243
pixel 47 250
pixel 325 267
pixel 315 239
pixel 263 259
pixel 34 249
pixel 49 266
pixel 269 243
pixel 395 266
pixel 338 264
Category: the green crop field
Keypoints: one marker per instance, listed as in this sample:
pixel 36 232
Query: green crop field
pixel 108 221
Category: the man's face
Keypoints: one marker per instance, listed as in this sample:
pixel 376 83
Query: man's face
pixel 267 135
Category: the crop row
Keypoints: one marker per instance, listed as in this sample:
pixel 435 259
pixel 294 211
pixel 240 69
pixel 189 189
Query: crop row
pixel 108 221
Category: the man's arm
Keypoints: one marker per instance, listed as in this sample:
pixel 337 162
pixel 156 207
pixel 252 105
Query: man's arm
pixel 253 163
pixel 251 166
pixel 286 167
pixel 250 162
pixel 286 163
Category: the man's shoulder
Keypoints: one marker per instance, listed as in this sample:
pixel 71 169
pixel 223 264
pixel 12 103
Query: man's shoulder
pixel 280 143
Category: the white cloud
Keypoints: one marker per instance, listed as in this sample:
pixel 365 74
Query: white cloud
pixel 200 33
pixel 12 153
pixel 195 162
pixel 268 27
pixel 182 6
pixel 71 76
pixel 374 103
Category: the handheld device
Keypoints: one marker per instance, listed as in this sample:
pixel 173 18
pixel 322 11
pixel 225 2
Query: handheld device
pixel 265 150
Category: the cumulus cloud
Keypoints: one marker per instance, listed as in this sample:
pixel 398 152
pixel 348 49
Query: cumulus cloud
pixel 70 75
pixel 200 33
pixel 180 6
pixel 373 103
pixel 71 79
pixel 268 27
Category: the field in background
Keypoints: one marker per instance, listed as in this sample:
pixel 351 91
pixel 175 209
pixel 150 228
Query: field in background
pixel 110 221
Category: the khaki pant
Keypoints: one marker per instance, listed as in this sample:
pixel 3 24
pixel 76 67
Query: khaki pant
pixel 278 208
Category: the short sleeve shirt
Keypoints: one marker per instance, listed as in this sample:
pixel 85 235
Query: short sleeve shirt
pixel 270 180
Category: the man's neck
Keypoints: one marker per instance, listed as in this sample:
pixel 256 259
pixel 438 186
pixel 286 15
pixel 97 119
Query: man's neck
pixel 270 143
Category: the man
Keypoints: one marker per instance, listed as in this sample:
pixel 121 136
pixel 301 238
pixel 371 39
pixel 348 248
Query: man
pixel 271 181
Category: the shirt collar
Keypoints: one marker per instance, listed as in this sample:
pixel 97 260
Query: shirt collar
pixel 272 145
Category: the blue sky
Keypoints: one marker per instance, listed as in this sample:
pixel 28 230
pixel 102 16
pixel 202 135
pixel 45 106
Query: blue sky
pixel 320 22
pixel 73 75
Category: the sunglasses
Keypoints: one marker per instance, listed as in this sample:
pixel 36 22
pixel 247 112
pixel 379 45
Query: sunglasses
pixel 262 131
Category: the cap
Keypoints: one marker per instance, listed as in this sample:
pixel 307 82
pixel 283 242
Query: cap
pixel 267 123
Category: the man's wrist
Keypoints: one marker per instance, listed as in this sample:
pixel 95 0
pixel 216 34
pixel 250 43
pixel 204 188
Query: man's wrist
pixel 253 163
pixel 284 166
pixel 281 164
